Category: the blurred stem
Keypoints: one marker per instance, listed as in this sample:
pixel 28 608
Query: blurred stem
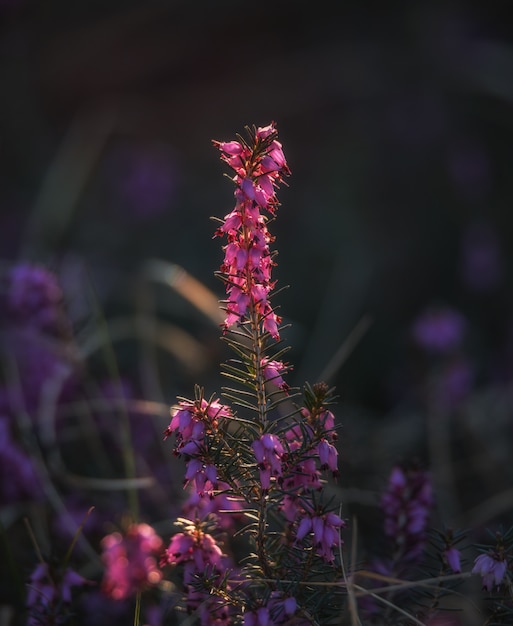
pixel 11 563
pixel 76 536
pixel 137 614
pixel 125 432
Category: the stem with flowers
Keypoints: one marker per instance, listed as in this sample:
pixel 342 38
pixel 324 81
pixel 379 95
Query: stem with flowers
pixel 264 459
pixel 247 270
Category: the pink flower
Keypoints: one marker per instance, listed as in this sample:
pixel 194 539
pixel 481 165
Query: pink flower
pixel 198 551
pixel 192 423
pixel 130 561
pixel 273 371
pixel 491 569
pixel 259 167
pixel 191 417
pixel 230 147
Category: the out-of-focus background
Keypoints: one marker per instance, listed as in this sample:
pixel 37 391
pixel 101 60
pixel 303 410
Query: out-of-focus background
pixel 394 233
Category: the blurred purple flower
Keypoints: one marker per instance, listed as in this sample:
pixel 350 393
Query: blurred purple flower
pixel 144 178
pixel 36 340
pixel 454 384
pixel 407 504
pixel 481 263
pixel 31 297
pixel 49 594
pixel 39 365
pixel 439 330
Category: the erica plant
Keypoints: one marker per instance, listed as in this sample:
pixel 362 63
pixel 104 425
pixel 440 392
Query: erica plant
pixel 262 452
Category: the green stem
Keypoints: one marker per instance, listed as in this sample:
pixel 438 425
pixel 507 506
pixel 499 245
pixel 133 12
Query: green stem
pixel 137 614
pixel 257 339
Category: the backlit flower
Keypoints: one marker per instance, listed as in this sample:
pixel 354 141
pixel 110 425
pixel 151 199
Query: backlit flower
pixel 130 561
pixel 259 167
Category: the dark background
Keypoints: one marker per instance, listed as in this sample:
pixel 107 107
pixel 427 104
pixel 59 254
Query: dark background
pixel 396 119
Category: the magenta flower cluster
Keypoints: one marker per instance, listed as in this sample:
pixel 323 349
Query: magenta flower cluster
pixel 199 553
pixel 259 168
pixel 131 561
pixel 191 423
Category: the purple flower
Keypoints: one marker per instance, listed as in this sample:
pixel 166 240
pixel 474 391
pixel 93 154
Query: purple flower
pixel 38 338
pixel 439 330
pixel 144 178
pixel 48 594
pixel 407 504
pixel 325 529
pixel 268 452
pixel 40 364
pixel 452 556
pixel 491 569
pixel 33 298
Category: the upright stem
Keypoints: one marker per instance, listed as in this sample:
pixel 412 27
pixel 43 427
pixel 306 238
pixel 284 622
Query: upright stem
pixel 137 613
pixel 259 374
pixel 257 340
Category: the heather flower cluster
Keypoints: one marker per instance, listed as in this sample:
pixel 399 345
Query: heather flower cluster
pixel 201 556
pixel 259 168
pixel 131 561
pixel 193 423
pixel 407 504
pixel 268 465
